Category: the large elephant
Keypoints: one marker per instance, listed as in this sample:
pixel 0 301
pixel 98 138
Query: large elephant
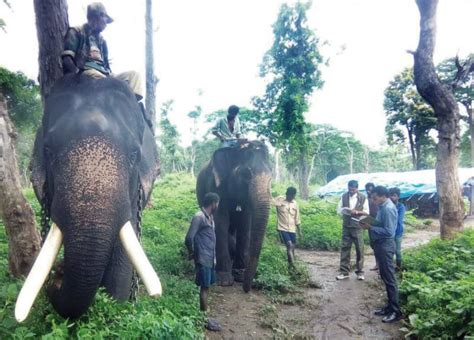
pixel 241 175
pixel 93 168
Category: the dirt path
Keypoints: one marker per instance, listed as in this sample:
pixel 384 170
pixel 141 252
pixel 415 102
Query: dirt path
pixel 338 310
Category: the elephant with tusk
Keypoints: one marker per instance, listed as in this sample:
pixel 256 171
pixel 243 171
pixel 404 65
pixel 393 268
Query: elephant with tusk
pixel 93 168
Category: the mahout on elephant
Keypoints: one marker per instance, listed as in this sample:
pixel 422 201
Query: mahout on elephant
pixel 93 167
pixel 241 176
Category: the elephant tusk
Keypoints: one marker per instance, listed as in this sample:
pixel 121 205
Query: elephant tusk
pixel 38 273
pixel 139 260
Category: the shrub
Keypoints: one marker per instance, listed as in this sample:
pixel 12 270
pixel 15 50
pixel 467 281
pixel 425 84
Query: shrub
pixel 437 288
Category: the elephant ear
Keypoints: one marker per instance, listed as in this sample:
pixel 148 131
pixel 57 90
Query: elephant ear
pixel 38 165
pixel 149 166
pixel 223 162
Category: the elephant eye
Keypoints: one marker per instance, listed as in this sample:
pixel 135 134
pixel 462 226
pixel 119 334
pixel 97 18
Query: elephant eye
pixel 133 157
pixel 49 154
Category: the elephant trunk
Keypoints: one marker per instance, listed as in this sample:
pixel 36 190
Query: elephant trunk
pixel 86 254
pixel 260 200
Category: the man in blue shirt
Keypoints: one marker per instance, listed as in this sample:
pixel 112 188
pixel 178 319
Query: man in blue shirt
pixel 382 238
pixel 201 243
pixel 395 197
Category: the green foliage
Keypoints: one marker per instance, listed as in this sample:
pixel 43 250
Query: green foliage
pixel 273 273
pixel 25 109
pixel 465 150
pixel 23 99
pixel 322 227
pixel 173 157
pixel 437 288
pixel 448 72
pixel 292 62
pixel 204 151
pixel 410 117
pixel 292 65
pixel 337 153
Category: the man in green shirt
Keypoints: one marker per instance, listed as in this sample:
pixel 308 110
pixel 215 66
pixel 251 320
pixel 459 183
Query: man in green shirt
pixel 227 129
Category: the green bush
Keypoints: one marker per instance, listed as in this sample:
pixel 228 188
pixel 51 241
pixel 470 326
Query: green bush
pixel 437 288
pixel 273 273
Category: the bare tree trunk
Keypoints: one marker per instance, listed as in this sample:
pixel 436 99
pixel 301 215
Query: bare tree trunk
pixel 151 80
pixel 51 25
pixel 303 179
pixel 17 214
pixel 277 165
pixel 412 149
pixel 367 159
pixel 193 159
pixel 351 156
pixel 418 154
pixel 471 130
pixel 471 199
pixel 447 112
pixel 311 168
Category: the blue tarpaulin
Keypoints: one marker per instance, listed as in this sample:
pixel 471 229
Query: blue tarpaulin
pixel 409 183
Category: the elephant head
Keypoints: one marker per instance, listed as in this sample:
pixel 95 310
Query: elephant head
pixel 93 166
pixel 241 176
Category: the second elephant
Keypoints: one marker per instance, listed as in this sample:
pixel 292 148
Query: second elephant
pixel 241 175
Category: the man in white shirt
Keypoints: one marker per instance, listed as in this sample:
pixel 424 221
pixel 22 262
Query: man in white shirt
pixel 352 204
pixel 289 222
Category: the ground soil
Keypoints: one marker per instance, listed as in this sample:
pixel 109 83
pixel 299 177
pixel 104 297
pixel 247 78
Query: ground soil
pixel 337 310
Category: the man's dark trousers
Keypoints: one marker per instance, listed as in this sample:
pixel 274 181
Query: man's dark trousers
pixel 352 235
pixel 384 250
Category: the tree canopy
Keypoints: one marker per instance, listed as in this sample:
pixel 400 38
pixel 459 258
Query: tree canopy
pixel 23 98
pixel 409 117
pixel 292 67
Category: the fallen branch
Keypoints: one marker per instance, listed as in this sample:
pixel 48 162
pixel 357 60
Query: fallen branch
pixel 347 328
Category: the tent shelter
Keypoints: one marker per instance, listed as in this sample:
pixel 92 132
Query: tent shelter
pixel 418 188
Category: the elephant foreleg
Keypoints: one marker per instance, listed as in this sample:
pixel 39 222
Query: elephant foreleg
pixel 223 259
pixel 242 244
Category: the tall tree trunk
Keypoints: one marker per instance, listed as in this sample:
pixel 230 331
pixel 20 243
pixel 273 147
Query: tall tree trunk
pixel 17 215
pixel 277 165
pixel 303 179
pixel 151 79
pixel 447 112
pixel 193 159
pixel 51 25
pixel 412 149
pixel 418 153
pixel 311 168
pixel 367 159
pixel 471 129
pixel 351 156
